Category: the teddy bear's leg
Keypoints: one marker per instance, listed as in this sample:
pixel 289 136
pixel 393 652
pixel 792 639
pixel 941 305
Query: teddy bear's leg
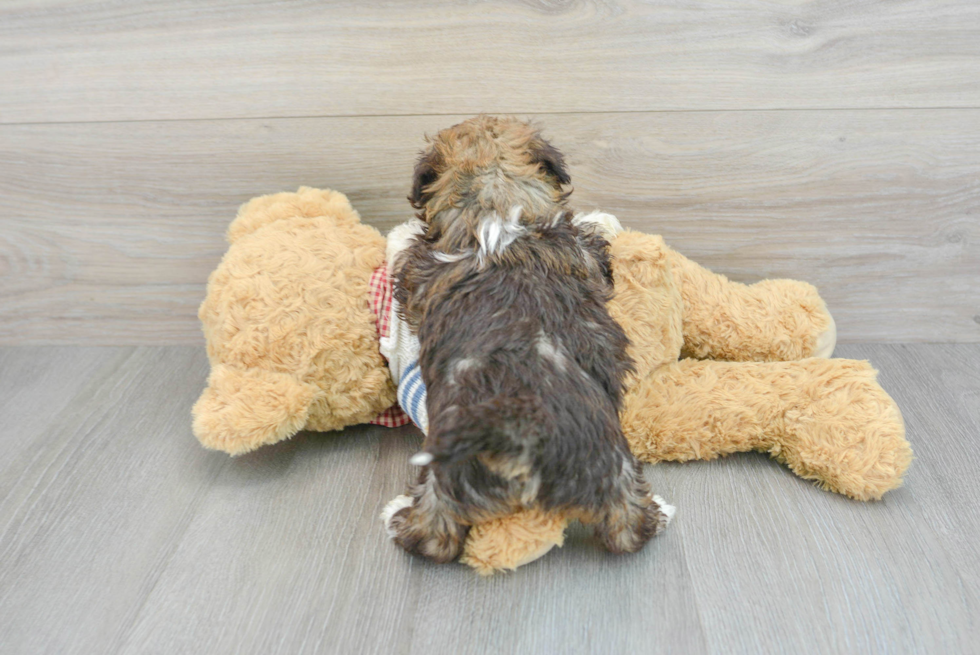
pixel 510 541
pixel 423 523
pixel 827 419
pixel 243 409
pixel 507 542
pixel 771 320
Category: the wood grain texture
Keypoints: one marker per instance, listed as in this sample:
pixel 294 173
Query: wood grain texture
pixel 109 231
pixel 35 386
pixel 121 535
pixel 92 509
pixel 126 60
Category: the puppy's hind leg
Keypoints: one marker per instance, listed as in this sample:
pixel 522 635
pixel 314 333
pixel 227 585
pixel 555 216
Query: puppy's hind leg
pixel 422 522
pixel 628 522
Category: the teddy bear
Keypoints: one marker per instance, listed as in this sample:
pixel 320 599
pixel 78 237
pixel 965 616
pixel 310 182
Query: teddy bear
pixel 290 319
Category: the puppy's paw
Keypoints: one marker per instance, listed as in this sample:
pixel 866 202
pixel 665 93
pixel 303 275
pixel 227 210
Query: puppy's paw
pixel 667 511
pixel 393 507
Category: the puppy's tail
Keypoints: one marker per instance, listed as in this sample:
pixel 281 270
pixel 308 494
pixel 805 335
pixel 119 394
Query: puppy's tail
pixel 502 426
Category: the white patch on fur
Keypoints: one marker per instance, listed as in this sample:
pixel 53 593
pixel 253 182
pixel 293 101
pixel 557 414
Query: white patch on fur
pixel 668 510
pixel 447 258
pixel 470 489
pixel 547 349
pixel 465 364
pixel 394 506
pixel 400 238
pixel 494 233
pixel 421 459
pixel 460 366
pixel 606 224
pixel 530 491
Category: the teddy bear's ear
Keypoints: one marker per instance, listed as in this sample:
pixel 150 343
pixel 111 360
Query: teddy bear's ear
pixel 550 158
pixel 425 174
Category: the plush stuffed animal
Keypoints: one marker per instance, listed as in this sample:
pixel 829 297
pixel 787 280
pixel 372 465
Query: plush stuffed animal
pixel 722 367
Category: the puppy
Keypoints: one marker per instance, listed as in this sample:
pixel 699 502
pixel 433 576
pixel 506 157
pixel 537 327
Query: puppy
pixel 523 365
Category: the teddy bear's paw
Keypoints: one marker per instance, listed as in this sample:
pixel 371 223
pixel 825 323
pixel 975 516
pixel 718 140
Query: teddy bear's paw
pixel 826 340
pixel 394 506
pixel 606 224
pixel 245 408
pixel 666 510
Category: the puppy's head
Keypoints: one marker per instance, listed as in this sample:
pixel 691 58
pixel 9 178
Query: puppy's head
pixel 488 164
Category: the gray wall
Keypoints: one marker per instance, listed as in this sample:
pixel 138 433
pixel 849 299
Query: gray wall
pixel 833 142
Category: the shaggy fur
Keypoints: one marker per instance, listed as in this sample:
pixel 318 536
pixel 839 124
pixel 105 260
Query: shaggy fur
pixel 523 364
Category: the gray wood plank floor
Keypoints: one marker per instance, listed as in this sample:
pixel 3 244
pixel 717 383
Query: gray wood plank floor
pixel 119 534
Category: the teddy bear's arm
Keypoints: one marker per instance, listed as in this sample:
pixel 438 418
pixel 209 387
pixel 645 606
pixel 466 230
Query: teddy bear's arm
pixel 771 320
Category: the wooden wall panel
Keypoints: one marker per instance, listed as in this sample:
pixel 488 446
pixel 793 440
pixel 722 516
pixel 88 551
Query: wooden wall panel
pixel 109 230
pixel 139 60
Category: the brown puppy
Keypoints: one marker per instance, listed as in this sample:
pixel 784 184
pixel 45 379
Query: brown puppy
pixel 523 364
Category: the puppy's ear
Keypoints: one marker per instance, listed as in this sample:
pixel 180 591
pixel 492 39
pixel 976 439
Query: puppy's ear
pixel 549 157
pixel 425 174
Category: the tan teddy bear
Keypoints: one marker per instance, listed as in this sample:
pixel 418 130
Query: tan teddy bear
pixel 290 335
pixel 293 344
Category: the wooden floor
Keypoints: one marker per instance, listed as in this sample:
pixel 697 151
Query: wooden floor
pixel 119 534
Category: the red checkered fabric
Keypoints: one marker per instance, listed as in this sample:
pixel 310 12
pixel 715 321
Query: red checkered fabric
pixel 380 290
pixel 392 417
